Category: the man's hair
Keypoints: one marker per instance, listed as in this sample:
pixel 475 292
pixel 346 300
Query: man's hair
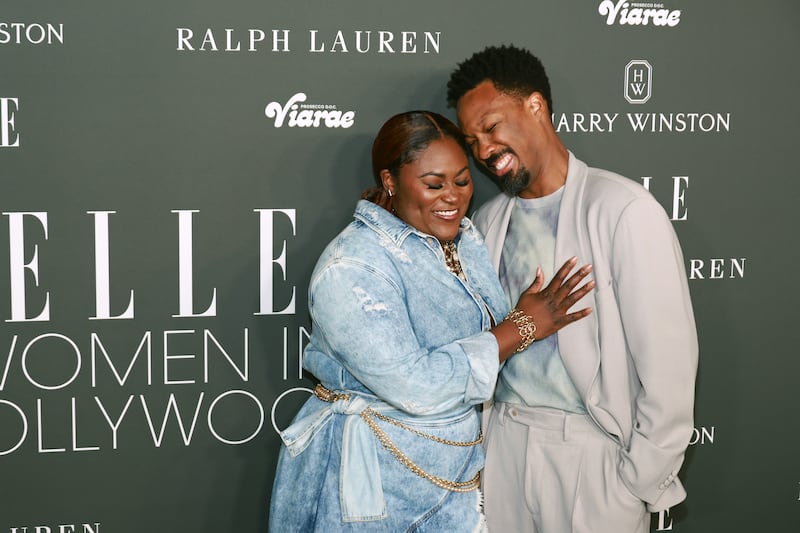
pixel 513 71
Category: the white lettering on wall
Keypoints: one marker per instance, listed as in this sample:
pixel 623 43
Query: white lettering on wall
pixel 8 135
pixel 308 115
pixel 621 13
pixel 18 266
pixel 664 521
pixel 702 436
pixel 266 274
pixel 718 268
pixel 683 122
pixel 92 527
pixel 20 32
pixel 679 186
pixel 102 263
pixel 185 280
pixel 28 305
pixel 680 183
pixel 362 42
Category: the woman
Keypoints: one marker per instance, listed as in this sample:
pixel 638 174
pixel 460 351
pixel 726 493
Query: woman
pixel 409 327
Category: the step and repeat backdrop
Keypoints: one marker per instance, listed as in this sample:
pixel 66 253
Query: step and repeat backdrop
pixel 170 171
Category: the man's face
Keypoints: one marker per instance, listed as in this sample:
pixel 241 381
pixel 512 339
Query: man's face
pixel 500 131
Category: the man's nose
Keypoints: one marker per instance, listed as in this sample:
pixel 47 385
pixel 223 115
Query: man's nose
pixel 484 150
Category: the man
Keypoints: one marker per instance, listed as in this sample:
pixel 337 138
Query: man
pixel 589 427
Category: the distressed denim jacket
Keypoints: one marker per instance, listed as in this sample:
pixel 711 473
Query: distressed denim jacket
pixel 406 337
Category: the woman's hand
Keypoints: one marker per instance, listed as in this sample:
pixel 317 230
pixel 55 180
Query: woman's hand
pixel 548 307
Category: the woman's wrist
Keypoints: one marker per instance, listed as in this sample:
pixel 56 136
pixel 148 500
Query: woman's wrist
pixel 525 327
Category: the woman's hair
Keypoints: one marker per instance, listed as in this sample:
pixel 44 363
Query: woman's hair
pixel 400 141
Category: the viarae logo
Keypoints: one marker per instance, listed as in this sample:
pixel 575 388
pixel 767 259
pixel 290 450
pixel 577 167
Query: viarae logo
pixel 628 13
pixel 297 114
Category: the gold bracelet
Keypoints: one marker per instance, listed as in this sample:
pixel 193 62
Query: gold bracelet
pixel 525 325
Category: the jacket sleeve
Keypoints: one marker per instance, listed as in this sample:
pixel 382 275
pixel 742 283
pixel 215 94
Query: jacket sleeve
pixel 363 319
pixel 657 317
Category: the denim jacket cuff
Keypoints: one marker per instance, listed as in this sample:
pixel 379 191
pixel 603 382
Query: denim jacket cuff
pixel 483 353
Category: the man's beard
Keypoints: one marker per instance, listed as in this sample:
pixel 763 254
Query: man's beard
pixel 509 184
pixel 516 183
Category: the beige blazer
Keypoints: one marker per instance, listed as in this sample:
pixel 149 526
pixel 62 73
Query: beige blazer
pixel 634 359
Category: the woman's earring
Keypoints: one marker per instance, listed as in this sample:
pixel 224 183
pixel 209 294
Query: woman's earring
pixel 389 191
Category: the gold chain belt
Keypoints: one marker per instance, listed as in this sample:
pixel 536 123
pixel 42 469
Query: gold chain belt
pixel 367 415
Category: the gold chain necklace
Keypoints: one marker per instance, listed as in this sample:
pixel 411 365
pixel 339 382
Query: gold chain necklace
pixel 451 259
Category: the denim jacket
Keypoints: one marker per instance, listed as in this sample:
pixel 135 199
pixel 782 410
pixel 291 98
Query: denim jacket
pixel 406 337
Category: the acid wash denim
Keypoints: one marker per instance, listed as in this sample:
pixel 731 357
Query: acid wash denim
pixel 392 327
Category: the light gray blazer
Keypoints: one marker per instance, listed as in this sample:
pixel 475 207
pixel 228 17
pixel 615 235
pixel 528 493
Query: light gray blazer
pixel 634 359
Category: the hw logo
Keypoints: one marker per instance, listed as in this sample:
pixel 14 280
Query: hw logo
pixel 638 81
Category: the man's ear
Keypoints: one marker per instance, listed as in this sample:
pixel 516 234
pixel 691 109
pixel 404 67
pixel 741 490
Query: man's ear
pixel 536 103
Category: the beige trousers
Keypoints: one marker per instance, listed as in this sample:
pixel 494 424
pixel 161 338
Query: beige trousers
pixel 548 471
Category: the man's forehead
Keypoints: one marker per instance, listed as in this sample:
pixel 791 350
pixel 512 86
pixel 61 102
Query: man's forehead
pixel 476 107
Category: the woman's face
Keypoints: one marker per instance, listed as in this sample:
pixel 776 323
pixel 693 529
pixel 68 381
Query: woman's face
pixel 432 193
